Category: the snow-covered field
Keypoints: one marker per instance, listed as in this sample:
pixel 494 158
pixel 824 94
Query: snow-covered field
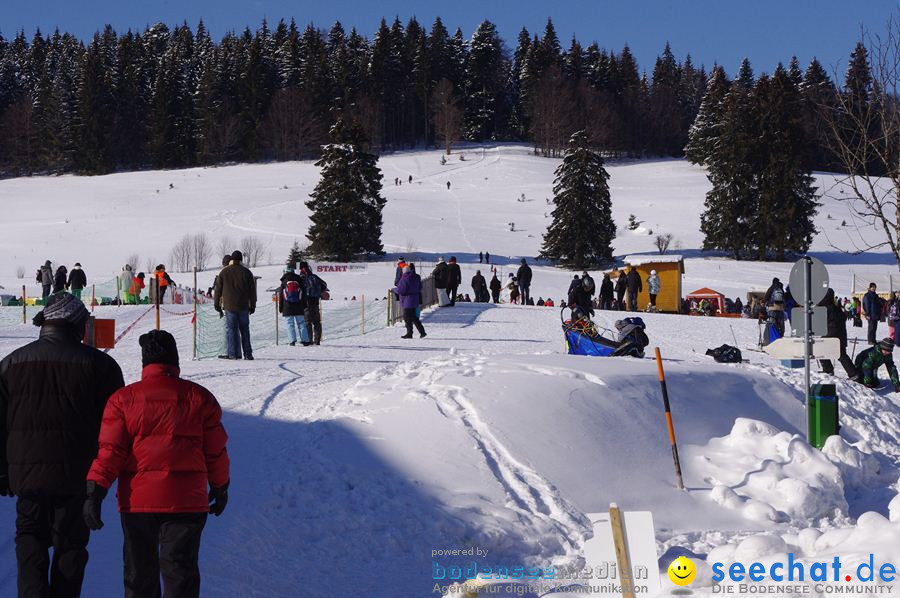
pixel 355 460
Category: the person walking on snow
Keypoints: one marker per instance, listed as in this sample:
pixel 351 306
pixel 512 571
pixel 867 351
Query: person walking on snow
pixel 872 306
pixel 59 281
pixel 836 328
pixel 479 286
pixel 161 281
pixel 869 361
pixel 291 305
pixel 480 257
pixel 606 293
pixel 410 289
pixel 621 288
pixel 163 439
pixel 448 185
pixel 235 295
pixel 441 276
pixel 635 286
pixel 52 395
pixel 314 290
pixel 653 285
pixel 454 279
pixel 77 280
pixel 523 275
pixel 45 278
pixel 496 287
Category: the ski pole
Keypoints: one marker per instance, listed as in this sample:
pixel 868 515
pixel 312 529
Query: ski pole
pixel 669 424
pixel 733 335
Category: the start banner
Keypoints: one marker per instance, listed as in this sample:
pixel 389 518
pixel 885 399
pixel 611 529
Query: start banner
pixel 336 268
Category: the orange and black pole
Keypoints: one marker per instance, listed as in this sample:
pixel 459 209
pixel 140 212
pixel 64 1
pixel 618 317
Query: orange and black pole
pixel 669 424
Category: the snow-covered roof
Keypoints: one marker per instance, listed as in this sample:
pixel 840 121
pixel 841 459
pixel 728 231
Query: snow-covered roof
pixel 637 260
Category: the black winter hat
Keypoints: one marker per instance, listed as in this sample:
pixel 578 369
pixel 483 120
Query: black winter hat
pixel 237 256
pixel 887 344
pixel 158 346
pixel 62 307
pixel 226 260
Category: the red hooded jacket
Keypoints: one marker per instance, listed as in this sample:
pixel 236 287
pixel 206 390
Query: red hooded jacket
pixel 163 439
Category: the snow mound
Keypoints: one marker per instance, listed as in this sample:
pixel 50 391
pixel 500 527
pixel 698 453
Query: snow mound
pixel 772 476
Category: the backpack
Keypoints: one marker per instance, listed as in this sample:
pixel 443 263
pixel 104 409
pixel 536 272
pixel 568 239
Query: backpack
pixel 588 283
pixel 38 278
pixel 894 312
pixel 315 286
pixel 291 292
pixel 726 354
pixel 777 295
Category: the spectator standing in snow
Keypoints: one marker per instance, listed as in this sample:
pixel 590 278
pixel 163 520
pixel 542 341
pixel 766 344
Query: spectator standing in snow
pixel 291 306
pixel 523 275
pixel 774 302
pixel 496 287
pixel 410 289
pixel 52 394
pixel 653 285
pixel 77 280
pixel 398 271
pixel 606 292
pixel 161 281
pixel 125 279
pixel 45 278
pixel 480 257
pixel 487 257
pixel 314 290
pixel 588 284
pixel 836 328
pixel 635 286
pixel 454 279
pixel 893 316
pixel 60 280
pixel 621 289
pixel 872 306
pixel 869 361
pixel 479 287
pixel 235 295
pixel 163 439
pixel 441 276
pixel 137 285
pixel 448 185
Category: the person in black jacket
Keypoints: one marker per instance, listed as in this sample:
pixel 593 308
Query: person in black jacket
pixel 454 279
pixel 77 280
pixel 606 292
pixel 621 288
pixel 496 287
pixel 837 328
pixel 635 286
pixel 292 306
pixel 872 306
pixel 59 281
pixel 441 275
pixel 52 395
pixel 314 289
pixel 580 299
pixel 523 275
pixel 479 286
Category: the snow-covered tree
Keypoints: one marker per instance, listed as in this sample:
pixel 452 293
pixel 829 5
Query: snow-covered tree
pixel 705 130
pixel 582 230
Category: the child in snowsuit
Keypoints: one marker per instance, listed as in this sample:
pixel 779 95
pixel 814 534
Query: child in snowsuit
pixel 869 361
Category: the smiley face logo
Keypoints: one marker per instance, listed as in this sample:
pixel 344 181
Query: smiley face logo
pixel 682 571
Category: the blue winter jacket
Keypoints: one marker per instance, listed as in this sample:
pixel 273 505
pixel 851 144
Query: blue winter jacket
pixel 872 305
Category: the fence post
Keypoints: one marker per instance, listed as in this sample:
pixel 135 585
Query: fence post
pixel 194 318
pixel 24 306
pixel 275 303
pixel 390 305
pixel 363 307
pixel 93 289
pixel 118 293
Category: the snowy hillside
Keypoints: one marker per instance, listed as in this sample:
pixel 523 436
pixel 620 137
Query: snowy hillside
pixel 354 461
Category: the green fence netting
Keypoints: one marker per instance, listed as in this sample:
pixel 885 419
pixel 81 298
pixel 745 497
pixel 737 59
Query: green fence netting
pixel 340 319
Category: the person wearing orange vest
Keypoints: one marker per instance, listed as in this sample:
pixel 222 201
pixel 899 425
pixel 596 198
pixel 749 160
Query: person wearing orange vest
pixel 162 281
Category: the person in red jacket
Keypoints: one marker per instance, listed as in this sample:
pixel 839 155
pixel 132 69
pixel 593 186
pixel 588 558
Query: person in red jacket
pixel 163 439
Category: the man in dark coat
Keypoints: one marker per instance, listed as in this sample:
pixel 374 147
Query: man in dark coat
pixel 580 300
pixel 621 289
pixel 313 289
pixel 59 281
pixel 496 287
pixel 45 277
pixel 52 395
pixel 235 294
pixel 837 328
pixel 454 279
pixel 441 275
pixel 606 292
pixel 872 307
pixel 635 286
pixel 523 275
pixel 479 286
pixel 77 280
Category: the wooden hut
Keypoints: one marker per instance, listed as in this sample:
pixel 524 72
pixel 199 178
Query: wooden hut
pixel 670 269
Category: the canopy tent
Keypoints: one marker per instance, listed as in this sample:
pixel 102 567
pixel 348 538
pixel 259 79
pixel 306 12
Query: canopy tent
pixel 886 283
pixel 715 299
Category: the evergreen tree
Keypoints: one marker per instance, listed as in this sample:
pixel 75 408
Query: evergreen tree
pixel 818 99
pixel 582 230
pixel 346 204
pixel 704 132
pixel 294 256
pixel 484 80
pixel 668 133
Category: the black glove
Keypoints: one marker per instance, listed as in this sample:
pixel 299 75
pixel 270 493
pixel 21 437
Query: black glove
pixel 4 486
pixel 221 313
pixel 91 509
pixel 218 498
pixel 896 389
pixel 252 309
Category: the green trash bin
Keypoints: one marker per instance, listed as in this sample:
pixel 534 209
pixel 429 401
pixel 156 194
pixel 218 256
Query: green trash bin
pixel 822 411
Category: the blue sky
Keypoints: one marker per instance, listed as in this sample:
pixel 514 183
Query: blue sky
pixel 766 31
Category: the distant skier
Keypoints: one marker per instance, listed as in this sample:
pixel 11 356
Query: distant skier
pixel 479 287
pixel 410 289
pixel 653 286
pixel 496 286
pixel 635 286
pixel 454 279
pixel 60 280
pixel 523 274
pixel 410 179
pixel 869 361
pixel 77 280
pixel 448 185
pixel 621 289
pixel 606 292
pixel 45 278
